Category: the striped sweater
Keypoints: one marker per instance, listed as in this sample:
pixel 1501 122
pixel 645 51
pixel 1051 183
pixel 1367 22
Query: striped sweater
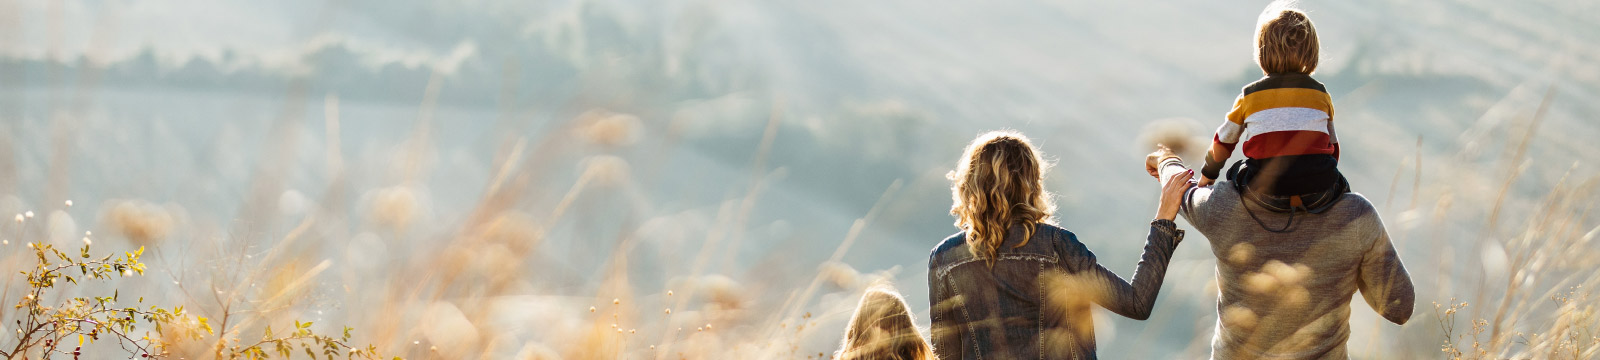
pixel 1281 115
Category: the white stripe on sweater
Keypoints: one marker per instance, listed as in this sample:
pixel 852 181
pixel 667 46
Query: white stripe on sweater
pixel 1229 132
pixel 1285 119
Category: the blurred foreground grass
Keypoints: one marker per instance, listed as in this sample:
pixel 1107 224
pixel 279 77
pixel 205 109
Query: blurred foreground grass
pixel 467 289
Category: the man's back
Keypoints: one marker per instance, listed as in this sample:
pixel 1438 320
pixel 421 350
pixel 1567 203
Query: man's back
pixel 1287 294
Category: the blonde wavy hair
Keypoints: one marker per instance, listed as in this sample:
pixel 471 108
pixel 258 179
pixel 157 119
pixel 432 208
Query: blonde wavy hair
pixel 998 184
pixel 1286 40
pixel 882 329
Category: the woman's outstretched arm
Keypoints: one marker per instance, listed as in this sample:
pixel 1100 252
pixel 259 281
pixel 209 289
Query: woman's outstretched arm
pixel 1135 299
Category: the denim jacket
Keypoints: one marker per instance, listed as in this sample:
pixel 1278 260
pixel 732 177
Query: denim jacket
pixel 1033 301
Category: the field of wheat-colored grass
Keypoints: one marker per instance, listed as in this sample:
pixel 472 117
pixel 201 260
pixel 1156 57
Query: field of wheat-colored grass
pixel 685 179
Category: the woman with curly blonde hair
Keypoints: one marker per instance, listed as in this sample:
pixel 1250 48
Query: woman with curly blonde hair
pixel 1011 284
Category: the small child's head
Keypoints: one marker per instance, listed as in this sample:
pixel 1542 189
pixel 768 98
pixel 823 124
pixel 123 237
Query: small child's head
pixel 882 329
pixel 1286 42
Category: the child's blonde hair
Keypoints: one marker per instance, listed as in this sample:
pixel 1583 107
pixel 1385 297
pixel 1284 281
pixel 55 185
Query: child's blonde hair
pixel 1286 41
pixel 882 329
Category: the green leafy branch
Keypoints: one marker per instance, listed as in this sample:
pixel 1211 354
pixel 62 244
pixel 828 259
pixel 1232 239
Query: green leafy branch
pixel 310 342
pixel 43 328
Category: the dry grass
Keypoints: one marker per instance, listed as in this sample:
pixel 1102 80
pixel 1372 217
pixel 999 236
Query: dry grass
pixel 474 288
pixel 1542 310
pixel 452 299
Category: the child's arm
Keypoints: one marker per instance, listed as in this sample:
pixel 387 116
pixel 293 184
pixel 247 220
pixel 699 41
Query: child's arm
pixel 1223 142
pixel 1334 138
pixel 1217 157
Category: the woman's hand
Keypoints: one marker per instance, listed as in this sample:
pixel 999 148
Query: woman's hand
pixel 1172 195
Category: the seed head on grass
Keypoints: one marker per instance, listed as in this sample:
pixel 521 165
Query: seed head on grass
pixel 394 207
pixel 516 231
pixel 723 292
pixel 1241 253
pixel 141 222
pixel 1182 135
pixel 609 128
pixel 1239 317
pixel 841 275
pixel 606 169
pixel 443 324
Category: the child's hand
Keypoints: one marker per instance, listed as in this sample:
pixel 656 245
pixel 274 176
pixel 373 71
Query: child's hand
pixel 1205 181
pixel 1152 161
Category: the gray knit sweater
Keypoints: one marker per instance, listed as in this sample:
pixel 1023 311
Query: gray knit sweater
pixel 1287 295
